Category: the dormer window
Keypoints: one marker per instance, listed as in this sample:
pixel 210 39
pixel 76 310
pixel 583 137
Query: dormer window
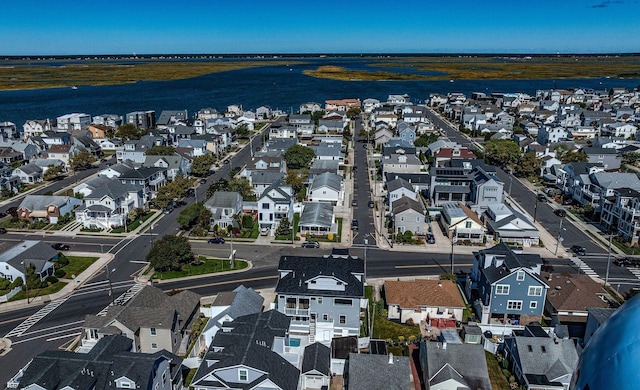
pixel 243 375
pixel 520 276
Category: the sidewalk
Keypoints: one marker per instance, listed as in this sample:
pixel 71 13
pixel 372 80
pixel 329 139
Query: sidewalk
pixel 91 271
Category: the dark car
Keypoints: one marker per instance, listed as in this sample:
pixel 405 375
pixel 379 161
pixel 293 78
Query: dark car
pixel 567 201
pixel 560 212
pixel 60 246
pixel 542 197
pixel 354 224
pixel 354 203
pixel 216 240
pixel 371 204
pixel 431 239
pixel 311 244
pixel 3 230
pixel 578 250
pixel 627 262
pixel 203 181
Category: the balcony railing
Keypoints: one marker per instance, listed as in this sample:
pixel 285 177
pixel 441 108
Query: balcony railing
pixel 296 312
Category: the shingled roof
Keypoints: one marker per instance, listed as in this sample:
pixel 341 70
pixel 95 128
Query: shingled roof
pixel 422 292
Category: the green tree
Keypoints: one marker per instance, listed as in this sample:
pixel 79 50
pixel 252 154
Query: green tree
pixel 315 116
pixel 129 132
pixel 160 150
pixel 204 218
pixel 353 112
pixel 567 154
pixel 242 131
pixel 425 140
pixel 53 171
pixel 631 158
pixel 82 160
pixel 201 165
pixel 369 135
pixel 299 156
pixel 169 253
pixel 241 186
pixel 189 216
pixel 296 179
pixel 218 185
pixel 502 152
pixel 284 227
pixel 529 165
pixel 172 191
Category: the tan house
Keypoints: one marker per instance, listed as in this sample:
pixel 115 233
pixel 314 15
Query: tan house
pixel 46 207
pixel 152 319
pixel 99 131
pixel 436 302
pixel 461 224
pixel 341 104
pixel 569 296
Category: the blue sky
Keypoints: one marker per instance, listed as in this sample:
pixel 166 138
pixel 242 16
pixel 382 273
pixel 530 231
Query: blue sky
pixel 45 27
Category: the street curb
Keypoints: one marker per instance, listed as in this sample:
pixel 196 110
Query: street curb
pixel 156 281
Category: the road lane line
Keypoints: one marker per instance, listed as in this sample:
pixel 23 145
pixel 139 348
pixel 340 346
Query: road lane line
pixel 51 328
pixel 45 335
pixel 431 265
pixel 64 337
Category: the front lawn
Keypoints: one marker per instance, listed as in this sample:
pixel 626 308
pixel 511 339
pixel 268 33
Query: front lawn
pixel 134 225
pixel 54 288
pixel 209 266
pixel 76 265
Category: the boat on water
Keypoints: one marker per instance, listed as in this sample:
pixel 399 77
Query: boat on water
pixel 74 87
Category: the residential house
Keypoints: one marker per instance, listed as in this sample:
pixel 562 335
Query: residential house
pixel 567 177
pixel 331 126
pixel 283 132
pixel 135 150
pixel 547 135
pixel 117 170
pixel 227 306
pixel 9 156
pixel 322 295
pixel 541 362
pixel 382 135
pixel 317 218
pixel 329 151
pixel 84 143
pixel 368 371
pixel 444 155
pixel 370 104
pixel 63 153
pixel 169 118
pixel 150 178
pixel 397 146
pixel 47 208
pixel 401 163
pixel 326 187
pixel 568 298
pixel 321 166
pixel 608 157
pixel 35 127
pixel 74 121
pixel 621 213
pixel 594 188
pixel 450 184
pixel 620 129
pixel 486 187
pixel 142 119
pixel 461 223
pixel 243 355
pixel 453 366
pixel 407 134
pixel 506 224
pixel 109 204
pixel 263 179
pixel 112 121
pixel 436 303
pixel 408 215
pixel 596 317
pixel 29 174
pixel 506 287
pixel 15 258
pixel 274 204
pixel 175 165
pixel 316 367
pixel 109 365
pixel 224 206
pixel 398 188
pixel 341 104
pixel 263 113
pixel 584 132
pixel 152 319
pixel 309 107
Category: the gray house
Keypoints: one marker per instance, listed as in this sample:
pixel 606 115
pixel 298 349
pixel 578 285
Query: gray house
pixel 608 157
pixel 454 366
pixel 109 362
pixel 506 287
pixel 322 295
pixel 408 215
pixel 224 206
pixel 242 356
pixel 15 258
pixel 317 219
pixel 369 371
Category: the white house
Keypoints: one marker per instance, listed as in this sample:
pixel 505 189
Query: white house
pixel 326 187
pixel 275 203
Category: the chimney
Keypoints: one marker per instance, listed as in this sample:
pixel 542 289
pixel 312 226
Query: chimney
pixel 390 358
pixel 444 345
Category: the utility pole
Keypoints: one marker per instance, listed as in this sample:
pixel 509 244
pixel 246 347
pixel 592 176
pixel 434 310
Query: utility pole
pixel 453 241
pixel 26 283
pixel 366 242
pixel 510 180
pixel 559 238
pixel 110 286
pixel 535 209
pixel 606 276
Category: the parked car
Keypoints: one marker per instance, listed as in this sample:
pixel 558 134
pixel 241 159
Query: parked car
pixel 567 201
pixel 354 203
pixel 311 244
pixel 578 250
pixel 371 204
pixel 560 212
pixel 3 230
pixel 542 197
pixel 60 246
pixel 216 240
pixel 431 239
pixel 354 224
pixel 203 181
pixel 264 231
pixel 627 262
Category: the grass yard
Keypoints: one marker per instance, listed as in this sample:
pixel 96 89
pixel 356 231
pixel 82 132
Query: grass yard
pixel 54 288
pixel 210 266
pixel 498 381
pixel 385 329
pixel 76 265
pixel 134 225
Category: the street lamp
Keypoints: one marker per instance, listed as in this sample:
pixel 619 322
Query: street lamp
pixel 454 239
pixel 366 242
pixel 606 276
pixel 559 239
pixel 109 280
pixel 535 209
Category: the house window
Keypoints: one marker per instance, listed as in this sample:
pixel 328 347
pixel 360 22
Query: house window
pixel 154 346
pixel 243 375
pixel 502 289
pixel 319 300
pixel 520 276
pixel 535 291
pixel 325 317
pixel 468 224
pixel 153 331
pixel 342 302
pixel 125 385
pixel 343 319
pixel 265 206
pixel 514 305
pixel 533 305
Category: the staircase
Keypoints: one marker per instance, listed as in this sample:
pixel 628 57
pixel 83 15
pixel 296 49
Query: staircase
pixel 312 331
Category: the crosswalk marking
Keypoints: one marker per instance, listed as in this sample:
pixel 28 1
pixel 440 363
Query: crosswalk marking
pixel 584 267
pixel 32 320
pixel 635 272
pixel 124 298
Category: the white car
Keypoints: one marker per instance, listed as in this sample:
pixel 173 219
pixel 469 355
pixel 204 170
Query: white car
pixel 264 231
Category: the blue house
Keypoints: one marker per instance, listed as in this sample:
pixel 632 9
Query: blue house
pixel 506 287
